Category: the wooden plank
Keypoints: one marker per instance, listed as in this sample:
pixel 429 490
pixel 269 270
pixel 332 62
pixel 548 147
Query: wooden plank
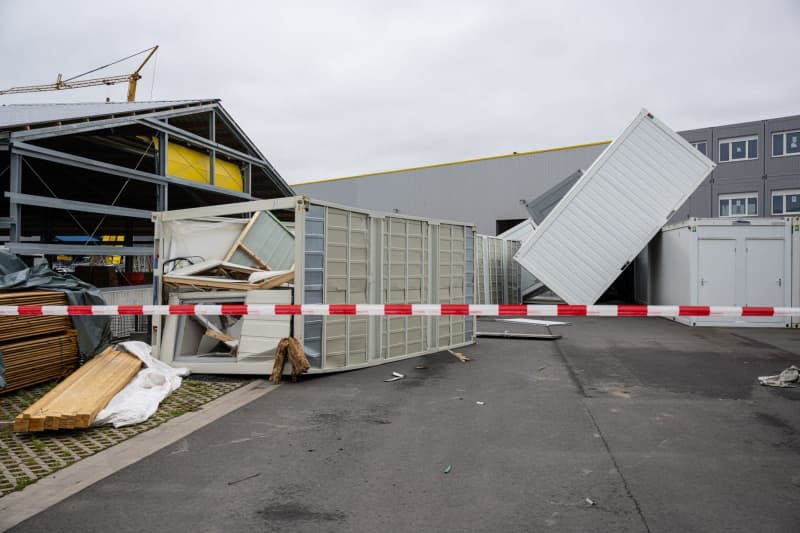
pixel 260 262
pixel 76 401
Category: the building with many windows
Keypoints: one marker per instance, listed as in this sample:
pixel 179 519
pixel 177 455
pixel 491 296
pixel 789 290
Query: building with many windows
pixel 758 170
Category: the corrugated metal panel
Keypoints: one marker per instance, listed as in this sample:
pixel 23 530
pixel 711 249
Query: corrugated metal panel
pixel 614 210
pixel 346 267
pixel 22 114
pixel 451 281
pixel 480 270
pixel 469 281
pixel 541 206
pixel 405 271
pixel 513 273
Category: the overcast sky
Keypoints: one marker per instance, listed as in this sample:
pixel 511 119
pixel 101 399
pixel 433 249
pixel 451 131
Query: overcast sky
pixel 330 89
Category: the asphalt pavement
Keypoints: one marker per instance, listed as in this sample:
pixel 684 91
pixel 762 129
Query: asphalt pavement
pixel 628 424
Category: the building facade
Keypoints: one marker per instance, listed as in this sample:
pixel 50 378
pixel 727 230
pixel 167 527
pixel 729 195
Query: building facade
pixel 757 174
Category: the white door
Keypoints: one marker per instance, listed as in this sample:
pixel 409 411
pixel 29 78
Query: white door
pixel 765 274
pixel 716 281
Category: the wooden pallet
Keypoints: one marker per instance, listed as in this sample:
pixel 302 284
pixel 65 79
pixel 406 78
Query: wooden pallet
pixel 19 327
pixel 35 360
pixel 76 401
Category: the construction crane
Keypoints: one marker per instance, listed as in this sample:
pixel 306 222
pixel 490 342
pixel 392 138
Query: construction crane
pixel 75 83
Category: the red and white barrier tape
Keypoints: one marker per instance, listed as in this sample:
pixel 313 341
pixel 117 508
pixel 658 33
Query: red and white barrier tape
pixel 399 310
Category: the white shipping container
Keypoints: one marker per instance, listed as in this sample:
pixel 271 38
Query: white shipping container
pixel 719 262
pixel 613 211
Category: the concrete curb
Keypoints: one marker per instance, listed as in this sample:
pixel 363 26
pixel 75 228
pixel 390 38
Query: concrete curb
pixel 46 492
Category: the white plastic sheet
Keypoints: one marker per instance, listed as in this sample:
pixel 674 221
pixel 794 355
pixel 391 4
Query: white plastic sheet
pixel 140 399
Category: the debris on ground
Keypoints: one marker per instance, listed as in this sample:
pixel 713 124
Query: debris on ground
pixel 790 377
pixel 460 356
pixel 289 348
pixel 512 335
pixel 447 469
pixel 396 376
pixel 589 501
pixel 533 321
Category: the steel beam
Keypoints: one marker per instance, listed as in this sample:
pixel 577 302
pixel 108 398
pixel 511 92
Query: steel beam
pixel 72 205
pixel 200 141
pixel 212 159
pixel 64 158
pixel 14 210
pixel 79 127
pixel 292 202
pixel 34 248
pixel 248 178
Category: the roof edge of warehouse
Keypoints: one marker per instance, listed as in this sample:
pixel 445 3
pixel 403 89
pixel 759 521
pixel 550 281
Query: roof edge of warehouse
pixel 451 163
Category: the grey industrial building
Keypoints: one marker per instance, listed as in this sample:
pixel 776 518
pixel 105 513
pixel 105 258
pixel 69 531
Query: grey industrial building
pixel 757 174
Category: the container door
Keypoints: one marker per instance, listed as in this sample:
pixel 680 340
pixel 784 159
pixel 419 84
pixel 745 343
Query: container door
pixel 716 282
pixel 765 276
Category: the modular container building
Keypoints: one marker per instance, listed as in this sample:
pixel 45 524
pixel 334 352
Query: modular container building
pixel 614 210
pixel 718 262
pixel 340 255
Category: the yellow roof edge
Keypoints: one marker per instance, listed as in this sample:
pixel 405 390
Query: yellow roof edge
pixel 452 163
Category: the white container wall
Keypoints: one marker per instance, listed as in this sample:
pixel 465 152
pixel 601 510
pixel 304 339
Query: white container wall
pixel 341 255
pixel 498 276
pixel 794 223
pixel 718 262
pixel 614 210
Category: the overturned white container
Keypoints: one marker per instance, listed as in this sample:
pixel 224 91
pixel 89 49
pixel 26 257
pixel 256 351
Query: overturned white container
pixel 613 210
pixel 723 262
pixel 341 255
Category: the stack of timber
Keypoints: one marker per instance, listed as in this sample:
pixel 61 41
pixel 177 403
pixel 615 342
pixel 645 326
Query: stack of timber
pixel 18 327
pixel 76 401
pixel 32 361
pixel 36 348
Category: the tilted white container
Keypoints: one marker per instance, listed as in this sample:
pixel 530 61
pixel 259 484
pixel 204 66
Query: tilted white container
pixel 613 211
pixel 723 262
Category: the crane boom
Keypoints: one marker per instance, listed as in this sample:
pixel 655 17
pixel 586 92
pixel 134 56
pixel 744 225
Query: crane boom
pixel 74 83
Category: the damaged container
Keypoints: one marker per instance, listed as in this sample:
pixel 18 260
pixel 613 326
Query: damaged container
pixel 335 255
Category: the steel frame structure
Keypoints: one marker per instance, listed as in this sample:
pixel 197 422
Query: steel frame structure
pixel 18 143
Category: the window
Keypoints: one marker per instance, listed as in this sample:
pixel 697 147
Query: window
pixel 701 147
pixel 738 149
pixel 738 205
pixel 786 143
pixel 786 202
